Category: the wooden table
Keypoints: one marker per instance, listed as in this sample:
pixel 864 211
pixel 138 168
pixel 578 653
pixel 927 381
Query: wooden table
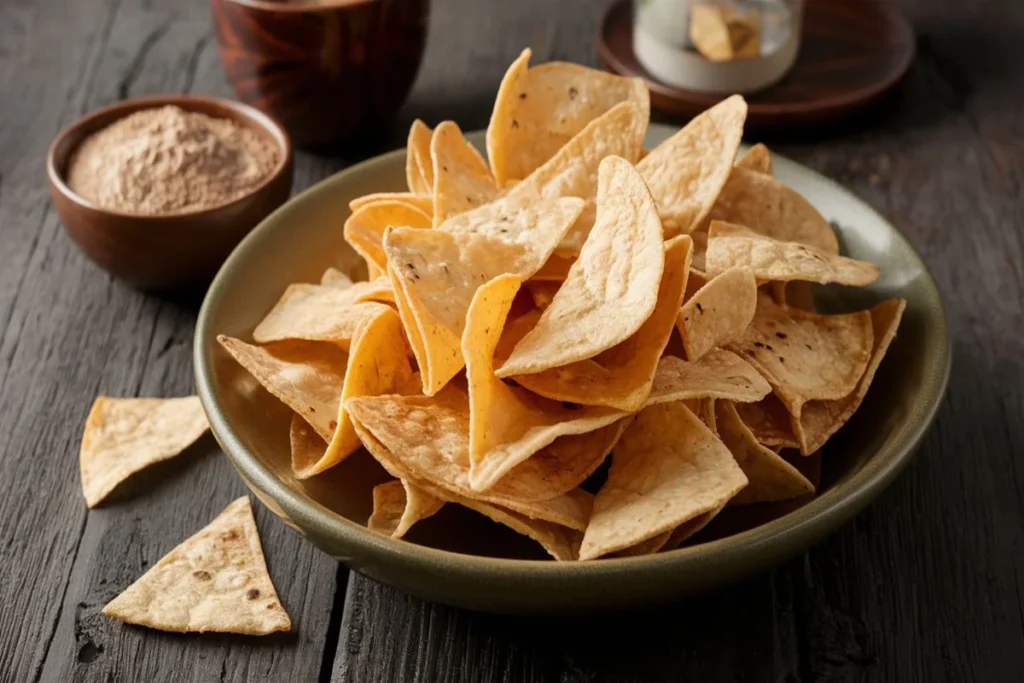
pixel 925 586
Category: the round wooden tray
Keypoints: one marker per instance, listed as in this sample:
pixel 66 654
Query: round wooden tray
pixel 853 52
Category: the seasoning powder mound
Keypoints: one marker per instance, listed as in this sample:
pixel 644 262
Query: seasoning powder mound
pixel 167 160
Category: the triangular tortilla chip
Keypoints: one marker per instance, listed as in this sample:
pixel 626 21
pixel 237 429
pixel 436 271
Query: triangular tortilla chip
pixel 509 424
pixel 806 356
pixel 718 374
pixel 667 469
pixel 217 580
pixel 686 172
pixel 315 313
pixel 771 478
pixel 612 288
pixel 538 110
pixel 731 246
pixel 462 179
pixel 757 159
pixel 819 420
pixel 424 203
pixel 687 529
pixel 718 312
pixel 333 277
pixel 767 206
pixel 125 435
pixel 621 377
pixel 398 505
pixel 769 422
pixel 364 229
pixel 419 171
pixel 427 440
pixel 794 294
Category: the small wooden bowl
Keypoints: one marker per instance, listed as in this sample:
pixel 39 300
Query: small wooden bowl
pixel 326 71
pixel 175 251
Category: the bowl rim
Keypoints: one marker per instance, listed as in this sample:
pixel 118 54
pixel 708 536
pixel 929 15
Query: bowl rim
pixel 255 119
pixel 783 536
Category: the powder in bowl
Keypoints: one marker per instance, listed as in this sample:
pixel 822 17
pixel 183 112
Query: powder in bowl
pixel 167 160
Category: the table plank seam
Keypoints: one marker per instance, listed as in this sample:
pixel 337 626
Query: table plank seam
pixel 334 625
pixel 17 295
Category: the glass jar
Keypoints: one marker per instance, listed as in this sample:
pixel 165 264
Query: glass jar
pixel 717 46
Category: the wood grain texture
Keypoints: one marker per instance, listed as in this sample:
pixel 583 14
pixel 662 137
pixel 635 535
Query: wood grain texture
pixel 926 585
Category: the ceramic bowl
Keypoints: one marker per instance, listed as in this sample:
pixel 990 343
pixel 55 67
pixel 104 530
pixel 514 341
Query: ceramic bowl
pixel 324 68
pixel 459 558
pixel 182 250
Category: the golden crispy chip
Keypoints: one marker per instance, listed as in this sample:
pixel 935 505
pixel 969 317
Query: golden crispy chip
pixel 378 289
pixel 561 542
pixel 718 374
pixel 333 277
pixel 612 287
pixel 731 246
pixel 306 376
pixel 819 420
pixel 793 294
pixel 717 313
pixel 419 171
pixel 364 229
pixel 462 179
pixel 621 377
pixel 689 528
pixel 399 504
pixel 758 159
pixel 315 313
pixel 508 424
pixel 216 580
pixel 667 469
pixel 767 206
pixel 423 203
pixel 125 435
pixel 574 170
pixel 307 448
pixel 686 172
pixel 538 110
pixel 806 356
pixel 771 478
pixel 427 440
pixel 769 422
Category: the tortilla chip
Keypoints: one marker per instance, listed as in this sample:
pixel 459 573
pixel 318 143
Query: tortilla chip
pixel 648 547
pixel 378 289
pixel 538 110
pixel 542 293
pixel 574 170
pixel 718 374
pixel 419 171
pixel 718 313
pixel 306 376
pixel 399 504
pixel 426 439
pixel 125 435
pixel 508 424
pixel 686 172
pixel 364 229
pixel 217 580
pixel 687 529
pixel 333 277
pixel 307 448
pixel 423 203
pixel 769 422
pixel 793 294
pixel 806 356
pixel 768 207
pixel 667 469
pixel 757 159
pixel 731 246
pixel 621 377
pixel 612 288
pixel 462 179
pixel 315 313
pixel 771 478
pixel 819 420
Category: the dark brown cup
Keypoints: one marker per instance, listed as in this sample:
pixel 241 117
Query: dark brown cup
pixel 171 252
pixel 326 69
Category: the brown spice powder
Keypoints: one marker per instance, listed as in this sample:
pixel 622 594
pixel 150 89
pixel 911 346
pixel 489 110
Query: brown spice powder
pixel 167 160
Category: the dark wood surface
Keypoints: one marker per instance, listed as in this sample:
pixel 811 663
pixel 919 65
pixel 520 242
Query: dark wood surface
pixel 926 585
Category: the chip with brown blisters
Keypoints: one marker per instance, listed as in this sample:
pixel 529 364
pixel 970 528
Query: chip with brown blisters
pixel 718 312
pixel 216 580
pixel 717 374
pixel 125 435
pixel 462 179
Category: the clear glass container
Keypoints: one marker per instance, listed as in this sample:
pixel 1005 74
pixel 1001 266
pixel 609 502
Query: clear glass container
pixel 717 46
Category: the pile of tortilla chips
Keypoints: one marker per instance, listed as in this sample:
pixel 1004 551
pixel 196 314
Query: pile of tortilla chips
pixel 570 299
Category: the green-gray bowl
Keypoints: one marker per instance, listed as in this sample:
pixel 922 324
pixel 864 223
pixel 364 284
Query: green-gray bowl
pixel 459 558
